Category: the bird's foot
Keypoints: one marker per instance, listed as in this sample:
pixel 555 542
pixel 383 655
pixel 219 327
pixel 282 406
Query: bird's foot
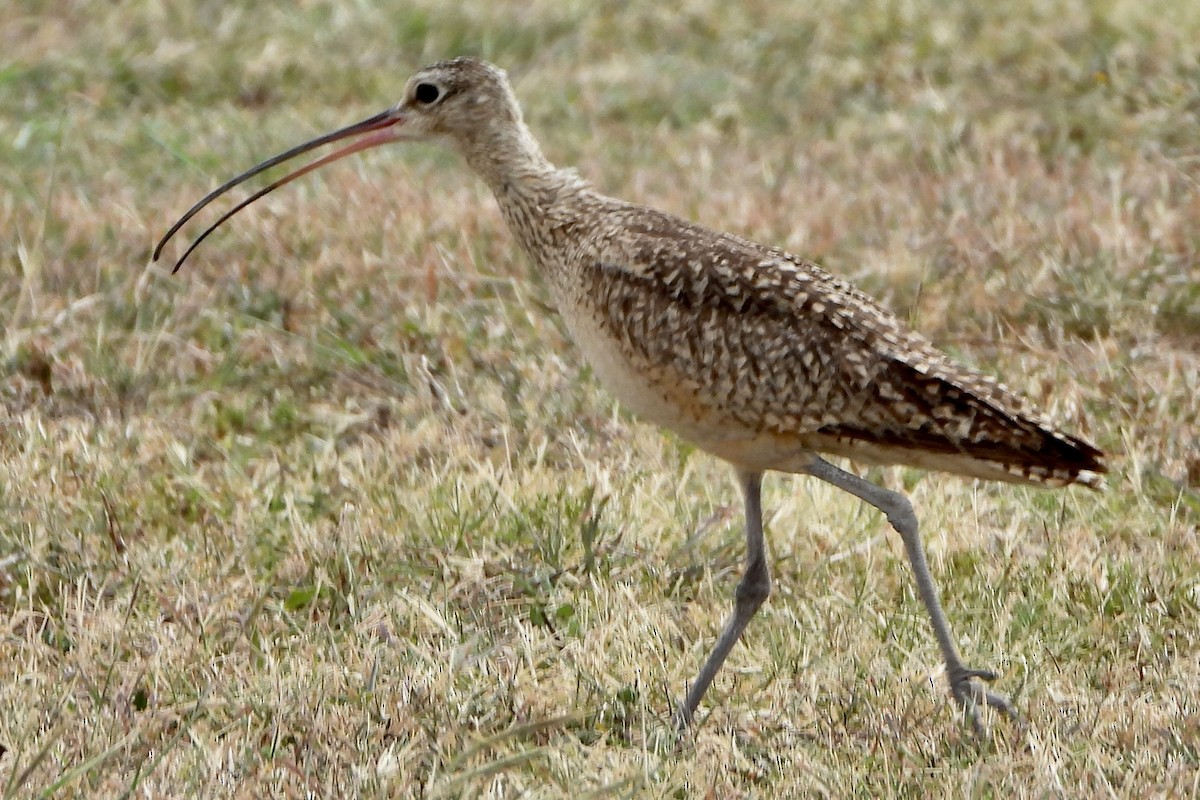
pixel 682 719
pixel 972 695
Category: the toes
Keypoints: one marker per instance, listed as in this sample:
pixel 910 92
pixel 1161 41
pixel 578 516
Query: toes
pixel 684 716
pixel 1002 704
pixel 972 712
pixel 965 674
pixel 972 696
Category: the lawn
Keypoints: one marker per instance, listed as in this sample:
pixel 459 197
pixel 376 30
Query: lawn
pixel 338 511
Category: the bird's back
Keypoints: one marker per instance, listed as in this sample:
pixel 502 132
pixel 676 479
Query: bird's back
pixel 763 358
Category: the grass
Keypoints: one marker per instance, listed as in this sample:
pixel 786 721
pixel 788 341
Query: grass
pixel 338 512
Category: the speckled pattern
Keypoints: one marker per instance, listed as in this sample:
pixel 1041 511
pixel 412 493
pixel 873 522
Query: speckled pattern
pixel 751 353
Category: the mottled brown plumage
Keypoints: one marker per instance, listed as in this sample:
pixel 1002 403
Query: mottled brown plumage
pixel 753 354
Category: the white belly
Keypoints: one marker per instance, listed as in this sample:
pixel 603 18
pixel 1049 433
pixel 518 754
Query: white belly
pixel 668 401
pixel 646 391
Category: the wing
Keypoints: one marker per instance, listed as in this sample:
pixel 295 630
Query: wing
pixel 782 346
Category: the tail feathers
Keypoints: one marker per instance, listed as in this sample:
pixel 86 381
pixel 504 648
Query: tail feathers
pixel 949 417
pixel 1057 460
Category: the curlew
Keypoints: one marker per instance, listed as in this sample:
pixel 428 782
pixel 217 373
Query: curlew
pixel 754 355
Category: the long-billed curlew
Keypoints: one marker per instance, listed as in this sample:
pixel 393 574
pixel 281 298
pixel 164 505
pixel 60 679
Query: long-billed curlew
pixel 753 354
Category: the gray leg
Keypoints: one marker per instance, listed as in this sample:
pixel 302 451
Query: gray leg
pixel 752 591
pixel 964 682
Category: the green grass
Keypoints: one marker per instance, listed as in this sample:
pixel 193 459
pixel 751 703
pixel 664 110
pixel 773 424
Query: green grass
pixel 338 511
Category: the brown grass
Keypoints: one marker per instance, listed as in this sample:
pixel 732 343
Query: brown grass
pixel 337 511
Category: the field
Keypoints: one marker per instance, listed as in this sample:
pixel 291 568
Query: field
pixel 338 511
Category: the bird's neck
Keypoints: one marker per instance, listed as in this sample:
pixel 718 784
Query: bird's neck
pixel 536 198
pixel 509 159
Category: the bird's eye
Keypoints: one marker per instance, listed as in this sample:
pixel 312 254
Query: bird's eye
pixel 427 93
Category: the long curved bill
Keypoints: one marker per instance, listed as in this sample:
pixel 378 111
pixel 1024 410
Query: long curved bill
pixel 379 129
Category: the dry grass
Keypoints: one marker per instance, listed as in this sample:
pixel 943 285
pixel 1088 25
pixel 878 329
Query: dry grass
pixel 337 511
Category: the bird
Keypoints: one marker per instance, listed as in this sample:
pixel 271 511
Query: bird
pixel 757 356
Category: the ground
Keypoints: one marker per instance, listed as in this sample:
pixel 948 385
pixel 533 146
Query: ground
pixel 337 511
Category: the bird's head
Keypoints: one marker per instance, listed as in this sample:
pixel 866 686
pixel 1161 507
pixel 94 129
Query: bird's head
pixel 459 101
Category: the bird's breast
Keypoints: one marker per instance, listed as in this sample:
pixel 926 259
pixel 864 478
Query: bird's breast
pixel 661 394
pixel 648 390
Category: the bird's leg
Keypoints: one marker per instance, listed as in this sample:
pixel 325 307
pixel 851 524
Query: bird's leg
pixel 752 591
pixel 964 682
